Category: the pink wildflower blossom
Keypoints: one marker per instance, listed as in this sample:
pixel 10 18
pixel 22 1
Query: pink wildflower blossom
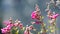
pixel 21 26
pixel 31 27
pixel 27 31
pixel 54 16
pixel 6 22
pixel 35 15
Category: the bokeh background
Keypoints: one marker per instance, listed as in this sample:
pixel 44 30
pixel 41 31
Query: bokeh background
pixel 22 9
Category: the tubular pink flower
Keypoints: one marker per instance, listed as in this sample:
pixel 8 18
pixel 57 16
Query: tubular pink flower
pixel 30 27
pixel 54 16
pixel 27 31
pixel 21 26
pixel 34 15
pixel 5 30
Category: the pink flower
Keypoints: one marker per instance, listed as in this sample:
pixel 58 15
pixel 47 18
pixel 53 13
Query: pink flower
pixel 6 22
pixel 32 23
pixel 5 30
pixel 27 31
pixel 30 27
pixel 34 15
pixel 8 28
pixel 38 22
pixel 54 16
pixel 16 24
pixel 21 26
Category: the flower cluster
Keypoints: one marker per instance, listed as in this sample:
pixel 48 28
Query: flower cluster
pixel 9 25
pixel 52 15
pixel 28 28
pixel 36 15
pixel 7 28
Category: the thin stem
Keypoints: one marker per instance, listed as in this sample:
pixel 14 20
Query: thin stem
pixel 43 27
